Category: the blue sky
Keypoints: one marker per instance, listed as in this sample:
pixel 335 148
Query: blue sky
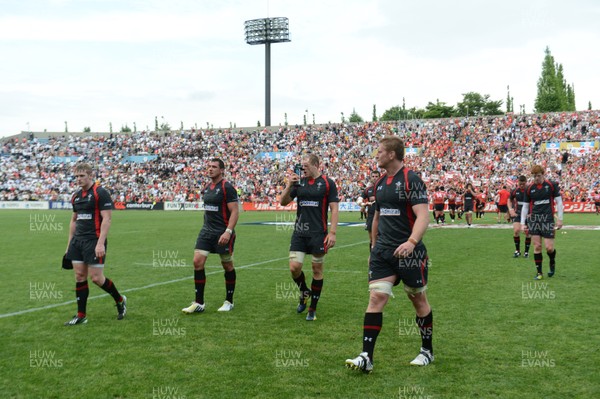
pixel 95 62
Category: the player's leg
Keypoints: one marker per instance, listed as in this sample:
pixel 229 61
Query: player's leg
pixel 97 275
pixel 200 257
pixel 537 255
pixel 317 249
pixel 424 321
pixel 230 280
pixel 316 285
pixel 226 254
pixel 205 244
pixel 382 276
pixel 298 250
pixel 517 239
pixel 82 290
pixel 551 251
pixel 414 272
pixel 527 245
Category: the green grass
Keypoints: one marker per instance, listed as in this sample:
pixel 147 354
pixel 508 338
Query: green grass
pixel 490 340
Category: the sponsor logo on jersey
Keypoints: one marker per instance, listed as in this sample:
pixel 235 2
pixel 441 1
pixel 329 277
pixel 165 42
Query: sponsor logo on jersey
pixel 389 212
pixel 541 202
pixel 309 203
pixel 84 216
pixel 211 208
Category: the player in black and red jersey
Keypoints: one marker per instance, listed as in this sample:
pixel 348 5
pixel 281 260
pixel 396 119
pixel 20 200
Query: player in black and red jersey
pixel 451 203
pixel 217 235
pixel 86 248
pixel 515 205
pixel 316 194
pixel 369 200
pixel 469 198
pixel 541 198
pixel 401 219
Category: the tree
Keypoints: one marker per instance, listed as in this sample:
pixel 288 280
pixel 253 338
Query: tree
pixel 87 129
pixel 438 110
pixel 554 94
pixel 474 104
pixel 509 101
pixel 393 114
pixel 125 129
pixel 374 119
pixel 589 105
pixel 355 118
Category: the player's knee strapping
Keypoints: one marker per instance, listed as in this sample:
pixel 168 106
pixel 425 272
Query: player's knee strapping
pixel 384 287
pixel 297 256
pixel 226 258
pixel 202 252
pixel 318 259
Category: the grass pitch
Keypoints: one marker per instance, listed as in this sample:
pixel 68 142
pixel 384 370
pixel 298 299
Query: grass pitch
pixel 497 332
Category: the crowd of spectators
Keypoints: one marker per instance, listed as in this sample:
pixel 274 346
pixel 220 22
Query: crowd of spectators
pixel 488 151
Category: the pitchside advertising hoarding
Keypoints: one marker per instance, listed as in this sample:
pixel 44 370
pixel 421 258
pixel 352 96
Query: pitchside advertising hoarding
pixel 570 207
pixel 576 148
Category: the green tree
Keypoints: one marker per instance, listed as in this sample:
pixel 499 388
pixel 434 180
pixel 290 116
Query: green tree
pixel 438 110
pixel 374 119
pixel 395 113
pixel 571 98
pixel 553 93
pixel 125 129
pixel 355 118
pixel 589 105
pixel 474 104
pixel 87 129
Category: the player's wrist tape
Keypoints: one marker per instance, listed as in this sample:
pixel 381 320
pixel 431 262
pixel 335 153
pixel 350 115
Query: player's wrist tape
pixel 413 241
pixel 229 231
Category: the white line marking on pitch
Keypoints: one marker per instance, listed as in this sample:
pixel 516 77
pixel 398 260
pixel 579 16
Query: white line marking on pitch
pixel 55 305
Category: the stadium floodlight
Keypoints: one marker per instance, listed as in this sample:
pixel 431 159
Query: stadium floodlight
pixel 266 31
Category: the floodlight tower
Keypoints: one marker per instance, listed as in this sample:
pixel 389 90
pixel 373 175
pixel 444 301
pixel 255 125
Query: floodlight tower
pixel 266 31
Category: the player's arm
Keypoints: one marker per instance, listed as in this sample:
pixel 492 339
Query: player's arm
pixel 524 213
pixel 104 227
pixel 418 231
pixel 72 226
pixel 374 227
pixel 234 214
pixel 560 209
pixel 511 210
pixel 331 238
pixel 286 196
